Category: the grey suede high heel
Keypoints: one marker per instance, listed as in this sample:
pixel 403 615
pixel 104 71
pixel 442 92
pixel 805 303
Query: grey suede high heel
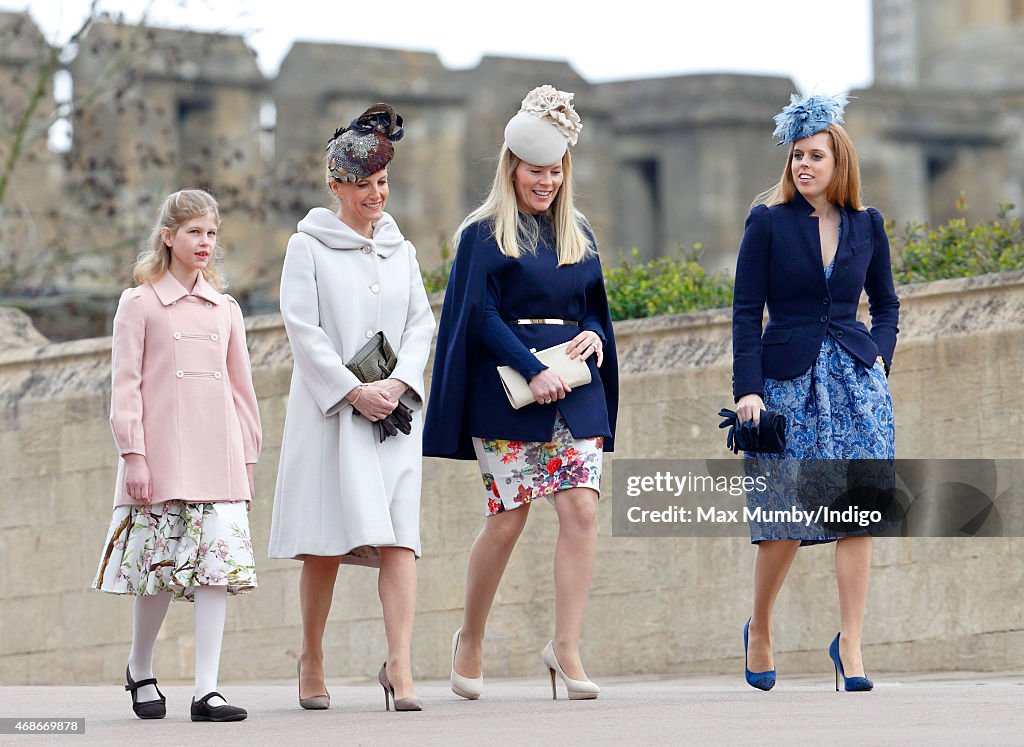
pixel 311 702
pixel 401 704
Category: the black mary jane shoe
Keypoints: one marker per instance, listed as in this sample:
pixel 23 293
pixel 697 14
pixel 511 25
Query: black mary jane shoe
pixel 203 711
pixel 150 708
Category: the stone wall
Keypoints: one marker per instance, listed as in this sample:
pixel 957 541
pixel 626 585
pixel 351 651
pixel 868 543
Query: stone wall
pixel 657 605
pixel 664 163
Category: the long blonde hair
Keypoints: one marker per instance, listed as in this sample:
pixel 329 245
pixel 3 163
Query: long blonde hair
pixel 844 189
pixel 178 209
pixel 513 232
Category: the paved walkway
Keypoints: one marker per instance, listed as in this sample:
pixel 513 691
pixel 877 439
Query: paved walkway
pixel 933 709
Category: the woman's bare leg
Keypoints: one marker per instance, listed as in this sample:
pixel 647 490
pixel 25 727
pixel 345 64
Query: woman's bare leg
pixel 853 567
pixel 316 592
pixel 396 585
pixel 575 551
pixel 487 561
pixel 772 563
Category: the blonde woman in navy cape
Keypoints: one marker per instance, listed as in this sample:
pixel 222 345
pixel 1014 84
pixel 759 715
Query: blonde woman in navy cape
pixel 808 252
pixel 527 276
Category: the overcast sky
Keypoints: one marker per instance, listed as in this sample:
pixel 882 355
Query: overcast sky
pixel 824 47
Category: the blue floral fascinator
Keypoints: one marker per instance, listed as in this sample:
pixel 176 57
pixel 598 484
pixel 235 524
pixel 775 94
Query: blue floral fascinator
pixel 808 115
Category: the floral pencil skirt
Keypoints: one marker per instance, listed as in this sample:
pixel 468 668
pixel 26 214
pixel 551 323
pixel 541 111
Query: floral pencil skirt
pixel 517 472
pixel 175 547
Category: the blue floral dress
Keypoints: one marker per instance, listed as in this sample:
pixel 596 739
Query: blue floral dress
pixel 838 409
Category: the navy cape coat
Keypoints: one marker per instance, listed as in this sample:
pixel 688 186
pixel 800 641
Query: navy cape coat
pixel 485 291
pixel 779 265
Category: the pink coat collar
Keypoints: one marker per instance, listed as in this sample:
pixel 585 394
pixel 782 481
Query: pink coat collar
pixel 169 290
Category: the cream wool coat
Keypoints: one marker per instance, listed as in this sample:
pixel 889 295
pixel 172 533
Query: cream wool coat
pixel 340 492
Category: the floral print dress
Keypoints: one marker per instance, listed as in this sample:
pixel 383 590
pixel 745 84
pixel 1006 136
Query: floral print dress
pixel 175 547
pixel 517 472
pixel 838 409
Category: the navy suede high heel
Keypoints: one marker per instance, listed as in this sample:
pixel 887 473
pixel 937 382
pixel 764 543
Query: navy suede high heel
pixel 760 680
pixel 850 684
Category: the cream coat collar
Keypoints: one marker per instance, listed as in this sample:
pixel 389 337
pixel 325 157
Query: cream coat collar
pixel 325 227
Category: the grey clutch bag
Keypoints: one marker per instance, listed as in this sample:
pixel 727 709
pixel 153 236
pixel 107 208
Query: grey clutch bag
pixel 576 373
pixel 374 361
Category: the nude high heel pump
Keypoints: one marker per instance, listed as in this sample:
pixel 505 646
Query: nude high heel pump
pixel 577 689
pixel 468 687
pixel 401 704
pixel 312 702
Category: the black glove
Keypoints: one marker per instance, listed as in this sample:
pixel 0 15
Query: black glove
pixel 769 437
pixel 400 419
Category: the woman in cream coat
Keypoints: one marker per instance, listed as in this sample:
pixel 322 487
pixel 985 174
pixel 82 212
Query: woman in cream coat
pixel 343 496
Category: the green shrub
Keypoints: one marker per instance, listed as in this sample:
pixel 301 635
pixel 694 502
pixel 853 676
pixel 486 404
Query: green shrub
pixel 678 284
pixel 436 280
pixel 958 249
pixel 667 285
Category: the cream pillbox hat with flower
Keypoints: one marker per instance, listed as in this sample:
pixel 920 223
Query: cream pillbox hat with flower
pixel 544 128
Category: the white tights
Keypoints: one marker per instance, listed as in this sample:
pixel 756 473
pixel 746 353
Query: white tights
pixel 211 603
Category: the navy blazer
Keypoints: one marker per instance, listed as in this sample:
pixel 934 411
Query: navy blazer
pixel 779 265
pixel 485 291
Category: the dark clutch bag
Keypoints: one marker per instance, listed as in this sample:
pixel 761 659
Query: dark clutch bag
pixel 376 361
pixel 769 437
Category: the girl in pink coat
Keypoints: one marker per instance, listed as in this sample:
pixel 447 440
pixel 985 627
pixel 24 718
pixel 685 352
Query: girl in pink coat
pixel 186 425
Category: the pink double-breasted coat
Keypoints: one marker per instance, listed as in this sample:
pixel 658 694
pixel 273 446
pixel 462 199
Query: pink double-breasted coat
pixel 182 393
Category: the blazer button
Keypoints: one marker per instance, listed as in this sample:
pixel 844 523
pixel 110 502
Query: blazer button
pixel 839 333
pixel 368 333
pixel 825 301
pixel 214 337
pixel 824 318
pixel 177 335
pixel 179 374
pixel 375 288
pixel 216 374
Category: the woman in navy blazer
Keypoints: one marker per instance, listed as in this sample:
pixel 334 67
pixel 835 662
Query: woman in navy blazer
pixel 808 251
pixel 527 277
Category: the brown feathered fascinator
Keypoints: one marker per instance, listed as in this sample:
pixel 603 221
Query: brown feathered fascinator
pixel 365 146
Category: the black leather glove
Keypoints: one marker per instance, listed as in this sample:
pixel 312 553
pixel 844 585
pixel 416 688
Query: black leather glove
pixel 769 437
pixel 386 428
pixel 400 419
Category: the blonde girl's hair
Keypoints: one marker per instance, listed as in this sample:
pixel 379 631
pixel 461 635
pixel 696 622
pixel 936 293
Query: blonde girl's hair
pixel 844 190
pixel 178 209
pixel 514 233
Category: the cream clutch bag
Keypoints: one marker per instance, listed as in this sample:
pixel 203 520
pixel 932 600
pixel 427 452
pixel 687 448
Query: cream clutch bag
pixel 576 373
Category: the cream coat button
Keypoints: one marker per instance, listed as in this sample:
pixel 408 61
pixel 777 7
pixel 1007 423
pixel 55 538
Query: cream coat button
pixel 369 334
pixel 177 335
pixel 214 337
pixel 209 305
pixel 375 288
pixel 216 374
pixel 179 374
